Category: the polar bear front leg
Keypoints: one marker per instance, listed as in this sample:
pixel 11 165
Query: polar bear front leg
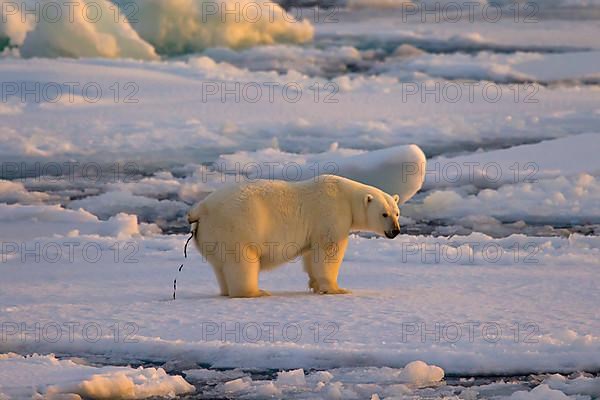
pixel 326 264
pixel 241 277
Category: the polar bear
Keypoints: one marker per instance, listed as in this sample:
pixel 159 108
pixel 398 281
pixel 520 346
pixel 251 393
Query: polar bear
pixel 245 228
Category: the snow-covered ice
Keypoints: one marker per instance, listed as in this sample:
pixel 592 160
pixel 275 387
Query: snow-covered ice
pixel 510 316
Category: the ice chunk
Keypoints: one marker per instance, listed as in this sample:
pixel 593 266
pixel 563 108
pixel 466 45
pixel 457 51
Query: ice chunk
pixel 12 26
pixel 541 392
pixel 104 34
pixel 237 385
pixel 184 26
pixel 419 373
pixel 50 377
pixel 291 378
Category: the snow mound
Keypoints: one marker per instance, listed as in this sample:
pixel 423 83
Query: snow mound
pixel 184 26
pixel 581 385
pixel 395 170
pixel 99 28
pixel 19 222
pixel 554 182
pixel 562 157
pixel 12 26
pixel 50 377
pixel 419 373
pixel 15 192
pixel 541 392
pixel 563 200
pixel 110 204
pixel 102 34
pixel 399 169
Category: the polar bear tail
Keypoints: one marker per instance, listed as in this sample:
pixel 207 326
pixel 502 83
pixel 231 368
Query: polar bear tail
pixel 192 234
pixel 193 216
pixel 192 219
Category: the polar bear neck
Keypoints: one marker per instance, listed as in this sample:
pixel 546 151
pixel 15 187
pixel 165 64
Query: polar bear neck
pixel 359 217
pixel 355 198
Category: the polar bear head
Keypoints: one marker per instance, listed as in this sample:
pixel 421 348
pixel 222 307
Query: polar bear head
pixel 382 213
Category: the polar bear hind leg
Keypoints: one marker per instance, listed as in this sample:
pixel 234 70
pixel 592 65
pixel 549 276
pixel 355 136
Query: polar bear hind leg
pixel 241 277
pixel 220 275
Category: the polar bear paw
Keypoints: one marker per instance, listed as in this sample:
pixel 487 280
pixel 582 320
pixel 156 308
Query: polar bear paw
pixel 257 293
pixel 334 291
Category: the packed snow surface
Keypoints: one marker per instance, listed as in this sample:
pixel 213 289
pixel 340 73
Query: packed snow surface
pixel 519 304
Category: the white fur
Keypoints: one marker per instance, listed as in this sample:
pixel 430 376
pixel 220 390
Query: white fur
pixel 243 229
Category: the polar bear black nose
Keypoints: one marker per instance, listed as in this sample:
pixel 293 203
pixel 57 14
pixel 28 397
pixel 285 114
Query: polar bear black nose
pixel 393 233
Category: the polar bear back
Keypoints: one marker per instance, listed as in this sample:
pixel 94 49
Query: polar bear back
pixel 276 211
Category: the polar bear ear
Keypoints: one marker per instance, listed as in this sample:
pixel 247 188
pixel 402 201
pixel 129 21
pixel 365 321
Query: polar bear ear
pixel 396 198
pixel 368 199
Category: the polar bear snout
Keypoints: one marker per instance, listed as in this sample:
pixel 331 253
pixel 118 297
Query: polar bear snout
pixel 393 233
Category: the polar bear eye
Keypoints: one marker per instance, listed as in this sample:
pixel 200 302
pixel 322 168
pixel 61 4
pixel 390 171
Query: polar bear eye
pixel 384 215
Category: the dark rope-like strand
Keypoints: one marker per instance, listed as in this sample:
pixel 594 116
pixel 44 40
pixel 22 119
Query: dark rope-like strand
pixel 181 266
